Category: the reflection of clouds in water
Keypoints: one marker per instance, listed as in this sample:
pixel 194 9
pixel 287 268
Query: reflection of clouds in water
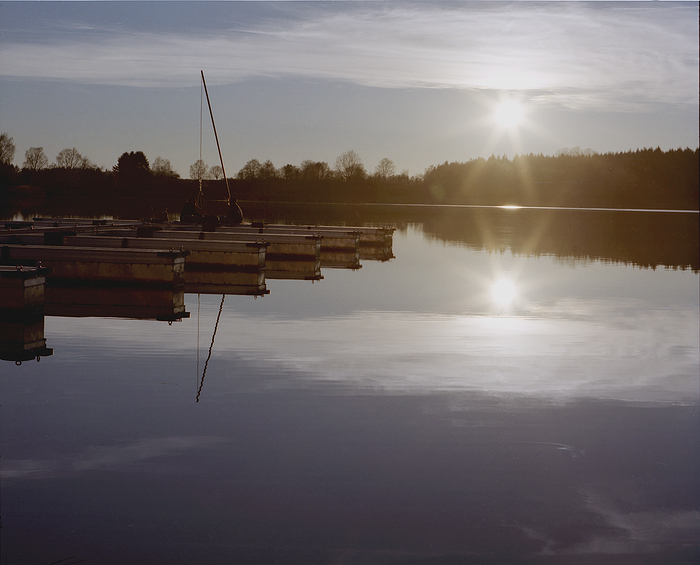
pixel 623 533
pixel 600 349
pixel 105 457
pixel 638 532
pixel 29 468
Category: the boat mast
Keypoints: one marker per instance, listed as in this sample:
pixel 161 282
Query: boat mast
pixel 216 136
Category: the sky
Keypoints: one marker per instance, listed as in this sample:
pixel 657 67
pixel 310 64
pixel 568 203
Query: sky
pixel 416 82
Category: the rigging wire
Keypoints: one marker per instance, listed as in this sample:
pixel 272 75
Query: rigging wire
pixel 200 194
pixel 198 307
pixel 216 136
pixel 211 346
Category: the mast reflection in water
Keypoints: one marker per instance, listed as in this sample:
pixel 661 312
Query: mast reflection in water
pixel 391 414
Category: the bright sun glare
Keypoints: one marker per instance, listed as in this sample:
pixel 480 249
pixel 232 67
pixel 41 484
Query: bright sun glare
pixel 503 292
pixel 508 113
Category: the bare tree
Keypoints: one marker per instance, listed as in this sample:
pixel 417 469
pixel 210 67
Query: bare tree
pixel 216 172
pixel 35 159
pixel 349 166
pixel 385 169
pixel 7 149
pixel 162 168
pixel 199 170
pixel 70 159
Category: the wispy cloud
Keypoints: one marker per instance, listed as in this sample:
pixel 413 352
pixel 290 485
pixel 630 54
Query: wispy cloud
pixel 570 53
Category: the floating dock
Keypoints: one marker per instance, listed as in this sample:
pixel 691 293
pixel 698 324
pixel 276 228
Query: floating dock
pixel 375 243
pixel 141 270
pixel 247 254
pixel 286 256
pixel 234 259
pixel 155 268
pixel 22 297
pixel 22 287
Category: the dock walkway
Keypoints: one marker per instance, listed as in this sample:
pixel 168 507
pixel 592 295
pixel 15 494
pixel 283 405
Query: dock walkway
pixel 204 258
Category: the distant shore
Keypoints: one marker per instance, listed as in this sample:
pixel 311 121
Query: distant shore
pixel 642 179
pixel 645 238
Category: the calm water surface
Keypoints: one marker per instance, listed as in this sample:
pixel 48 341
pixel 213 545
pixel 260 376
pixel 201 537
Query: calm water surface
pixel 405 412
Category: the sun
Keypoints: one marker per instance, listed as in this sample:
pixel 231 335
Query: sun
pixel 508 113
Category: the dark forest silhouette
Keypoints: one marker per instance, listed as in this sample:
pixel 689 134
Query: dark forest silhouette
pixel 647 178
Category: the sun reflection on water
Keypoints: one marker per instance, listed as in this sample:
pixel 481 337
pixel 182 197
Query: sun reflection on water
pixel 503 292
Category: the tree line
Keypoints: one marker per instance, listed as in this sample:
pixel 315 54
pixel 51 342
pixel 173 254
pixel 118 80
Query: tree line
pixel 645 178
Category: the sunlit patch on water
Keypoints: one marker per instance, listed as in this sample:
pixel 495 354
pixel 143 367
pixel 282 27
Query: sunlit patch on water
pixel 503 292
pixel 601 349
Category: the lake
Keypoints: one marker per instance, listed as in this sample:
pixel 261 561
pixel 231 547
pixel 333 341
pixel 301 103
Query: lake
pixel 512 386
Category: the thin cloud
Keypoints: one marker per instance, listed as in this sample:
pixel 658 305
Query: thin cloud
pixel 577 55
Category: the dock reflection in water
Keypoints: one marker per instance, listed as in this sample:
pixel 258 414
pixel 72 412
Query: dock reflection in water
pixel 400 413
pixel 22 314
